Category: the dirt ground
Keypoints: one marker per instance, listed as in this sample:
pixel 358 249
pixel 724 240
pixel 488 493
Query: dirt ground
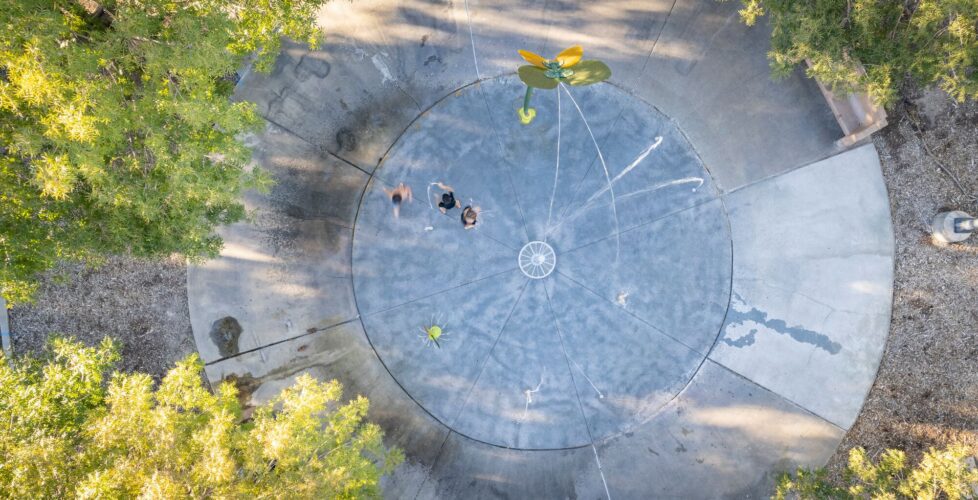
pixel 141 304
pixel 926 392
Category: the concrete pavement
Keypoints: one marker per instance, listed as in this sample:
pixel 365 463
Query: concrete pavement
pixel 718 321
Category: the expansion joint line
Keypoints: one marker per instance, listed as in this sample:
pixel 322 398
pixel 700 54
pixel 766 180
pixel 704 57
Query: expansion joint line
pixel 485 362
pixel 492 122
pixel 580 402
pixel 658 35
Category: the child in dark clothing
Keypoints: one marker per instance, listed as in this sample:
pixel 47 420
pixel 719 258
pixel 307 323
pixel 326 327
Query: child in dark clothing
pixel 448 200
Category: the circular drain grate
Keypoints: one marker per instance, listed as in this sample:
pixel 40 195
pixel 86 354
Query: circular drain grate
pixel 537 259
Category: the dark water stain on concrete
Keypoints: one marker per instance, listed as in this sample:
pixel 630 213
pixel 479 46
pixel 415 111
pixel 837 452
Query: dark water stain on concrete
pixel 225 333
pixel 346 140
pixel 311 66
pixel 744 341
pixel 797 333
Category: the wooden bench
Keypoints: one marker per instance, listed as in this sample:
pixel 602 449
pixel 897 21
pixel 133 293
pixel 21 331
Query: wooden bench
pixel 856 113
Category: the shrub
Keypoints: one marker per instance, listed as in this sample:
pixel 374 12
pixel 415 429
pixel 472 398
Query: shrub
pixel 68 429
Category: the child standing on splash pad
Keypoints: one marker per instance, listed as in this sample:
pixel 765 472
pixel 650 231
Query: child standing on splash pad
pixel 470 216
pixel 397 195
pixel 448 200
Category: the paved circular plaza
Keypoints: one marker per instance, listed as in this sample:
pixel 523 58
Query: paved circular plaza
pixel 639 289
pixel 717 298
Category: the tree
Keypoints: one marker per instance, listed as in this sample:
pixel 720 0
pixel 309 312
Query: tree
pixel 929 41
pixel 117 134
pixel 939 474
pixel 70 430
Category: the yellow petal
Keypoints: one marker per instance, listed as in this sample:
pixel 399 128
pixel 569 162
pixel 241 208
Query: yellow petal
pixel 570 57
pixel 534 59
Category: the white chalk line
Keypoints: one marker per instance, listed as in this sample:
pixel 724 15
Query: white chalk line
pixel 475 59
pixel 638 159
pixel 529 398
pixel 429 195
pixel 553 192
pixel 600 470
pixel 629 168
pixel 583 209
pixel 611 189
pixel 600 394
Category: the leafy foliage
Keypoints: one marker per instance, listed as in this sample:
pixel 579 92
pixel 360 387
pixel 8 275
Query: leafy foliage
pixel 116 129
pixel 65 432
pixel 940 474
pixel 930 41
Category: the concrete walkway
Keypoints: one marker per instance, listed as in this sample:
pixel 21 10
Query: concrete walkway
pixel 714 317
pixel 5 330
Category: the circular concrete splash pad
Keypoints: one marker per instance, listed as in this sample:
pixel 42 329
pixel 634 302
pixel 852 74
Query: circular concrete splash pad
pixel 536 355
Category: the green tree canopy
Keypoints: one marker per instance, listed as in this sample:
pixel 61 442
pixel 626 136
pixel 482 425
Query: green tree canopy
pixel 929 41
pixel 939 474
pixel 68 429
pixel 117 134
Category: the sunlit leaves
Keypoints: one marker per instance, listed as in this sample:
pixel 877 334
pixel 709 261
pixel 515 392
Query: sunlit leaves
pixel 932 41
pixel 54 175
pixel 939 474
pixel 259 26
pixel 117 133
pixel 68 433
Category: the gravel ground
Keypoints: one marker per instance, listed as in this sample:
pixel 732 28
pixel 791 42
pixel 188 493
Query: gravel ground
pixel 926 392
pixel 141 304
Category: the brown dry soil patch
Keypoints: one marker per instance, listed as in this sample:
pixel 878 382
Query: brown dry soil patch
pixel 141 304
pixel 926 392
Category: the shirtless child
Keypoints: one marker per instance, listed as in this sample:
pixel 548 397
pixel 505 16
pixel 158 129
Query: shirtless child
pixel 397 195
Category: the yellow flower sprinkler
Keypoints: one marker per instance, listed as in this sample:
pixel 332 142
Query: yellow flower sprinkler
pixel 547 74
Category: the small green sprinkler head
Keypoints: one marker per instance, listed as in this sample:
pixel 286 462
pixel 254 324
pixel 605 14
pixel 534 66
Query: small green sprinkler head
pixel 434 333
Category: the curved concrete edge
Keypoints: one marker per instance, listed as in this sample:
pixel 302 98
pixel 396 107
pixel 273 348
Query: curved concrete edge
pixel 468 469
pixel 286 271
pixel 342 353
pixel 709 72
pixel 385 61
pixel 812 283
pixel 724 436
pixel 5 340
pixel 441 464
